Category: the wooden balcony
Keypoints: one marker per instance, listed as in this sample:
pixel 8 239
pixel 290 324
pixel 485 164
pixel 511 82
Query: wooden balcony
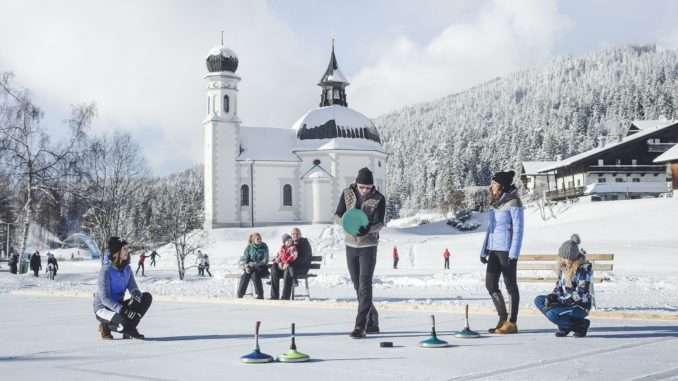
pixel 627 168
pixel 562 194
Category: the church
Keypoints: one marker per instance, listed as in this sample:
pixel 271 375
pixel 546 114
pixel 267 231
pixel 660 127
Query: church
pixel 258 176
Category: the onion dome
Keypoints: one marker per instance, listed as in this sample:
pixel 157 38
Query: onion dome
pixel 221 58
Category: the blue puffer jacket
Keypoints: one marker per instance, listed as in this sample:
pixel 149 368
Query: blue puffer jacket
pixel 505 227
pixel 112 284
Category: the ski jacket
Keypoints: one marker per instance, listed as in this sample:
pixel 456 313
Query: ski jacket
pixel 373 204
pixel 112 284
pixel 505 226
pixel 35 263
pixel 258 255
pixel 287 254
pixel 142 259
pixel 302 264
pixel 446 254
pixel 576 290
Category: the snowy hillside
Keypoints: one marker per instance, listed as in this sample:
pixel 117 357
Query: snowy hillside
pixel 641 234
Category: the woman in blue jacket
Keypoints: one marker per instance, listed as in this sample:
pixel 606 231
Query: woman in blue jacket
pixel 501 248
pixel 255 265
pixel 115 277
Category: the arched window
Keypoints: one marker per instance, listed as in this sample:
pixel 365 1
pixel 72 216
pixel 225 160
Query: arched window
pixel 244 195
pixel 227 105
pixel 287 195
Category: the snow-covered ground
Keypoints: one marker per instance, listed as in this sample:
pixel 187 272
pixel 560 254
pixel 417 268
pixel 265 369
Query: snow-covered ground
pixel 198 330
pixel 641 234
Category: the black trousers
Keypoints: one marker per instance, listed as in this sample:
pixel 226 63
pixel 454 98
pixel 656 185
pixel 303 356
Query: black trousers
pixel 447 263
pixel 361 263
pixel 255 275
pixel 288 275
pixel 140 266
pixel 119 323
pixel 498 264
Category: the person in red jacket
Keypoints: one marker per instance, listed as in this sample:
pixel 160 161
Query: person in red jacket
pixel 396 258
pixel 446 255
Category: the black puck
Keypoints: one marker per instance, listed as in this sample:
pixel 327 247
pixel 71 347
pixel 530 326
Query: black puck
pixel 386 344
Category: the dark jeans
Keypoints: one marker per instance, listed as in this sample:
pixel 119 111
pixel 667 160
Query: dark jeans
pixel 288 275
pixel 447 263
pixel 395 262
pixel 361 263
pixel 255 275
pixel 498 264
pixel 563 316
pixel 140 266
pixel 119 323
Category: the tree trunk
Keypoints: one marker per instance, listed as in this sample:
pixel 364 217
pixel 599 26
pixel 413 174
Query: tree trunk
pixel 27 223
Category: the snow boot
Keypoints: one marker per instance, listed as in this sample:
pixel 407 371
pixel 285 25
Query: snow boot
pixel 105 332
pixel 562 332
pixel 508 327
pixel 581 327
pixel 372 329
pixel 500 306
pixel 499 325
pixel 357 333
pixel 133 333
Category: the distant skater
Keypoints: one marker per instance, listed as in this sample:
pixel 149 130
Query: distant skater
pixel 153 255
pixel 446 256
pixel 142 259
pixel 396 258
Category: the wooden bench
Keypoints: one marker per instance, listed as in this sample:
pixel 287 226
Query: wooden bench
pixel 316 260
pixel 547 262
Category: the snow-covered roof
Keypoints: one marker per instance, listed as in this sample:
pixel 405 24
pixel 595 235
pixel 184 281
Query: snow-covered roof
pixel 338 128
pixel 267 143
pixel 670 155
pixel 223 51
pixel 645 124
pixel 641 187
pixel 533 167
pixel 316 173
pixel 333 74
pixel 628 139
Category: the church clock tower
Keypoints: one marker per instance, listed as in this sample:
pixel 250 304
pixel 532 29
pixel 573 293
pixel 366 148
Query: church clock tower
pixel 222 130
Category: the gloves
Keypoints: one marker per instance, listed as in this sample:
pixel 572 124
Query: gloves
pixel 129 314
pixel 135 299
pixel 550 302
pixel 483 260
pixel 248 270
pixel 363 230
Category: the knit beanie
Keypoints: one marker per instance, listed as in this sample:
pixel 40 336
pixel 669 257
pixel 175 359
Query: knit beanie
pixel 569 249
pixel 505 179
pixel 115 244
pixel 364 177
pixel 286 237
pixel 575 238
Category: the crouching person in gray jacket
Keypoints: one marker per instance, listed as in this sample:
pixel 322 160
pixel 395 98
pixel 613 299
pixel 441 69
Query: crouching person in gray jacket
pixel 115 277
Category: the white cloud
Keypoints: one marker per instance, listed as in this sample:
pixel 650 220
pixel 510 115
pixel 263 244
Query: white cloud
pixel 505 36
pixel 143 63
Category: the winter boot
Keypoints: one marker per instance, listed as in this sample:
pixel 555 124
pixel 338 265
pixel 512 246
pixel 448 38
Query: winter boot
pixel 372 329
pixel 357 333
pixel 508 327
pixel 562 332
pixel 499 325
pixel 105 332
pixel 133 333
pixel 581 327
pixel 500 306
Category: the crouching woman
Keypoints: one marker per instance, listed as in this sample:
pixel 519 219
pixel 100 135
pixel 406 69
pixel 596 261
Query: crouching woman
pixel 569 303
pixel 115 277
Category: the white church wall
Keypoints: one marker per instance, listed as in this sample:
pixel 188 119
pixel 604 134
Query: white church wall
pixel 267 194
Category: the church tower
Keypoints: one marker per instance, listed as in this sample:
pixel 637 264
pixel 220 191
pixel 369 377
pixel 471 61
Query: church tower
pixel 222 131
pixel 333 84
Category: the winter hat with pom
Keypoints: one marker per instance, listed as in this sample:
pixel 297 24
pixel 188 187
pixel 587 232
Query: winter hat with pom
pixel 570 249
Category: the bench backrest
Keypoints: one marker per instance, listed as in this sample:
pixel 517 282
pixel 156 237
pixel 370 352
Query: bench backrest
pixel 548 262
pixel 316 260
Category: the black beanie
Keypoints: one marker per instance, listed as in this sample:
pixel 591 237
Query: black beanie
pixel 115 244
pixel 505 179
pixel 364 177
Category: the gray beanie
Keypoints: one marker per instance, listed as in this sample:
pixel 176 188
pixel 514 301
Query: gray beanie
pixel 575 238
pixel 569 249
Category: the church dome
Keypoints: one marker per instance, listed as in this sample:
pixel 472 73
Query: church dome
pixel 343 127
pixel 221 58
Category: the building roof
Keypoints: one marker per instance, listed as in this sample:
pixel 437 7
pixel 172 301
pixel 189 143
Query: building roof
pixel 316 172
pixel 645 124
pixel 267 144
pixel 533 167
pixel 221 58
pixel 593 152
pixel 641 187
pixel 670 155
pixel 333 75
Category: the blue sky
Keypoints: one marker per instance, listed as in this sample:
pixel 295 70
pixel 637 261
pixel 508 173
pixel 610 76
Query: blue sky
pixel 142 62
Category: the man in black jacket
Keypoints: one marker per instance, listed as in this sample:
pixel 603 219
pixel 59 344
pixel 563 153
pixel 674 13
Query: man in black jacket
pixel 299 266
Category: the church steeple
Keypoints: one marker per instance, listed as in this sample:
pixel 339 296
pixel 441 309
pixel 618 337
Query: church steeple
pixel 333 84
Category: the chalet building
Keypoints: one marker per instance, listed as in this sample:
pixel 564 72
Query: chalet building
pixel 534 182
pixel 624 169
pixel 670 157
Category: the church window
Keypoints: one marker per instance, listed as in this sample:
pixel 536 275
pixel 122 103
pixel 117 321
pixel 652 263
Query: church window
pixel 244 195
pixel 287 195
pixel 227 105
